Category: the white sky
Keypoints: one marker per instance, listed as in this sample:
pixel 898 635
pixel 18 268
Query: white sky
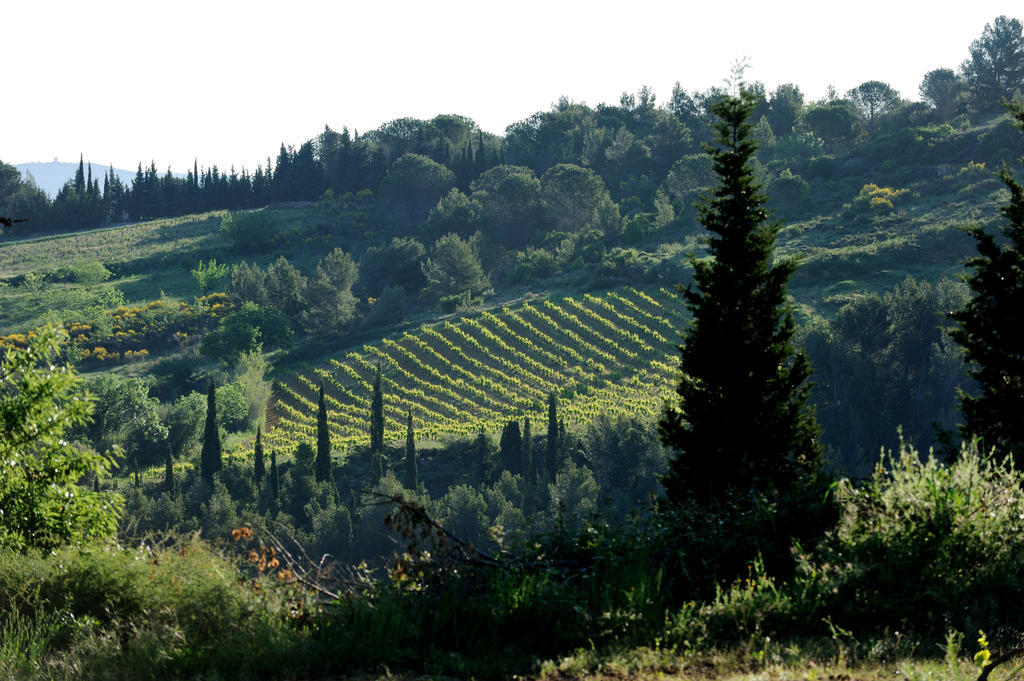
pixel 227 81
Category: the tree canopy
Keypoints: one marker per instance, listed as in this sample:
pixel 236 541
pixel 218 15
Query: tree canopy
pixel 41 503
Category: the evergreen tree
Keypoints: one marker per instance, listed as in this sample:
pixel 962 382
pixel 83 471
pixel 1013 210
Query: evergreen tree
pixel 168 472
pixel 275 481
pixel 740 424
pixel 377 415
pixel 258 467
pixel 989 327
pixel 511 447
pixel 529 472
pixel 210 458
pixel 322 466
pixel 551 453
pixel 411 469
pixel 482 452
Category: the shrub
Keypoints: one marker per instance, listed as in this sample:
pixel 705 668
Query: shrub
pixel 251 232
pixel 929 546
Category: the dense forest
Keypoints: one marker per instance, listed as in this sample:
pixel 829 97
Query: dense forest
pixel 610 388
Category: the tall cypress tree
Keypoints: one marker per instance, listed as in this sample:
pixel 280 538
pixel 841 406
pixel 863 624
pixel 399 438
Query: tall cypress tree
pixel 511 447
pixel 258 470
pixel 411 468
pixel 551 453
pixel 377 414
pixel 989 327
pixel 168 471
pixel 210 458
pixel 275 481
pixel 322 466
pixel 740 423
pixel 529 472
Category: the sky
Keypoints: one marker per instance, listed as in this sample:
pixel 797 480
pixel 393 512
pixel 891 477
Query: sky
pixel 227 82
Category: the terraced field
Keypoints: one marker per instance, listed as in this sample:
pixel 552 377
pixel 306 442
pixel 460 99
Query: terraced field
pixel 613 353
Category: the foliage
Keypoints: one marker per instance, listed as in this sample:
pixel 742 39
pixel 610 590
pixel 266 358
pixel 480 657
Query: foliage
pixel 875 200
pixel 995 68
pixel 125 415
pixel 929 546
pixel 412 186
pixel 209 275
pixel 233 407
pixel 247 330
pixel 892 355
pixel 323 464
pixel 329 303
pixel 210 457
pixel 251 231
pixel 738 361
pixel 944 90
pixel 454 268
pixel 40 403
pixel 250 375
pixel 874 100
pixel 988 327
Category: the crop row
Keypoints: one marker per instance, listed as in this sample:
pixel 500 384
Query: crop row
pixel 600 354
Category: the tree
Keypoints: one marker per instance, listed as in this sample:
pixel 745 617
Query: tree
pixel 454 268
pixel 511 447
pixel 551 458
pixel 576 197
pixel 835 122
pixel 168 472
pixel 209 275
pixel 989 327
pixel 328 296
pixel 943 90
pixel 377 414
pixel 125 415
pixel 785 108
pixel 412 186
pixel 528 470
pixel 40 402
pixel 995 68
pixel 411 470
pixel 740 424
pixel 874 99
pixel 275 480
pixel 210 458
pixel 322 467
pixel 258 470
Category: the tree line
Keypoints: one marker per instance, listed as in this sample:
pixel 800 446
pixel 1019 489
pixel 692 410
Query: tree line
pixel 409 164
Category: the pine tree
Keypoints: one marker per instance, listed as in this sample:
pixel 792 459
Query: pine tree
pixel 740 425
pixel 989 327
pixel 411 469
pixel 377 415
pixel 210 458
pixel 551 453
pixel 322 467
pixel 258 470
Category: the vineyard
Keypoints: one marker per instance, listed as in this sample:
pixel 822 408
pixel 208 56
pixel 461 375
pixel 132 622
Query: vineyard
pixel 613 353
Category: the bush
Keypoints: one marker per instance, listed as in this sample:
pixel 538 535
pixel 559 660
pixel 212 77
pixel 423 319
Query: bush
pixel 929 546
pixel 175 612
pixel 251 232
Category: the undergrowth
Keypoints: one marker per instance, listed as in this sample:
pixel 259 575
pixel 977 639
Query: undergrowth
pixel 923 550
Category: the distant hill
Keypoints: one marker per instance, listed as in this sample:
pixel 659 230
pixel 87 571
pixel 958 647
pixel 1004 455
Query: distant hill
pixel 51 176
